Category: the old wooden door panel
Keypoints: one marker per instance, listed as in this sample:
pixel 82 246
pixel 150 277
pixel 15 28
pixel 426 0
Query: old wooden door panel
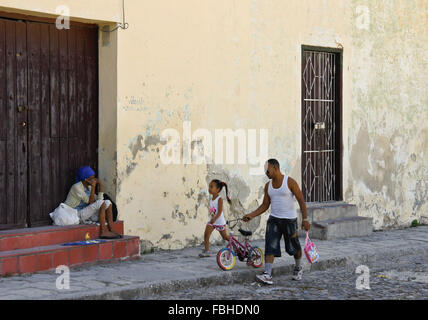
pixel 3 126
pixel 62 63
pixel 321 104
pixel 47 204
pixel 14 132
pixel 91 54
pixel 35 61
pixel 64 110
pixel 40 157
pixel 21 121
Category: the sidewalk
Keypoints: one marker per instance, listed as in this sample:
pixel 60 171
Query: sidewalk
pixel 163 271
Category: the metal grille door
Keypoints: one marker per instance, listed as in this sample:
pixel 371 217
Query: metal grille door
pixel 321 125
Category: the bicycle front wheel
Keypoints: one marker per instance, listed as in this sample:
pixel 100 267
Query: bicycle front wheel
pixel 226 259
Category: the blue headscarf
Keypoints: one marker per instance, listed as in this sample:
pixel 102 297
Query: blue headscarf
pixel 84 173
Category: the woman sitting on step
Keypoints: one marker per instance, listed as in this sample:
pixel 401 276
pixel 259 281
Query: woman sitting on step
pixel 91 207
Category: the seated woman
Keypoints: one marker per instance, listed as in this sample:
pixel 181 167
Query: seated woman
pixel 90 207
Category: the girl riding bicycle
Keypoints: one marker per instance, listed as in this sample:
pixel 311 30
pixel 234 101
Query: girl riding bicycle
pixel 217 220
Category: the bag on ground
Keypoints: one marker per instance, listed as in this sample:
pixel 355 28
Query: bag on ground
pixel 311 250
pixel 64 215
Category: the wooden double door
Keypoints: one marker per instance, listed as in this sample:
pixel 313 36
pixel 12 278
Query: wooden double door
pixel 48 116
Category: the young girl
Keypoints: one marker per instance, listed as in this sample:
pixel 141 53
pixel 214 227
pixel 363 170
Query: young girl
pixel 217 220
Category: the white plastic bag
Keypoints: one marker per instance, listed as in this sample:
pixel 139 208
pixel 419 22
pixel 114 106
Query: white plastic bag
pixel 65 215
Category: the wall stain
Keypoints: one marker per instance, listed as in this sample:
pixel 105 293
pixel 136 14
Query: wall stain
pixel 190 194
pixel 176 214
pixel 202 200
pixel 166 237
pixel 136 145
pixel 421 194
pixel 379 161
pixel 152 141
pixel 130 167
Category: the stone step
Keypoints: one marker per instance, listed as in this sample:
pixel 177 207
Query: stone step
pixel 36 259
pixel 340 228
pixel 329 210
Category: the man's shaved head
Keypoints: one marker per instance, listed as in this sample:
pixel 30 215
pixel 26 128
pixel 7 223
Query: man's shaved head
pixel 274 163
pixel 272 168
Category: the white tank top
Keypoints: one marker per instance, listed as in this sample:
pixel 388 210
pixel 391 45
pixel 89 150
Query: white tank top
pixel 221 221
pixel 282 201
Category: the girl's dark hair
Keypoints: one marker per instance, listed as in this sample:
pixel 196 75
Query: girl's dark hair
pixel 220 185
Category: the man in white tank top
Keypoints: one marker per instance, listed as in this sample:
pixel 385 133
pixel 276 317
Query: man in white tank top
pixel 279 194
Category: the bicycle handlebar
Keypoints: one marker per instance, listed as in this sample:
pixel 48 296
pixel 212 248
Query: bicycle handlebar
pixel 229 223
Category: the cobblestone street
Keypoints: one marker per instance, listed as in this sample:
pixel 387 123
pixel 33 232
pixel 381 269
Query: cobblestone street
pixel 395 278
pixel 396 272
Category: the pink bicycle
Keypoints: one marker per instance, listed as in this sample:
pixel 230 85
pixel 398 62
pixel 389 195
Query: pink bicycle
pixel 226 257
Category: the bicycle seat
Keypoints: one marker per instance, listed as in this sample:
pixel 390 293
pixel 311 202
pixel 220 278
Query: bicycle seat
pixel 245 233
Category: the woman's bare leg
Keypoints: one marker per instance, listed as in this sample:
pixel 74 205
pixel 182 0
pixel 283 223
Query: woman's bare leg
pixel 105 232
pixel 110 221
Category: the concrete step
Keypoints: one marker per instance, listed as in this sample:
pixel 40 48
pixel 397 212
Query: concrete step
pixel 329 211
pixel 340 228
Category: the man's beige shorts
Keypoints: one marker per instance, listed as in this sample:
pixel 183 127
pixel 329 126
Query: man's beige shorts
pixel 91 212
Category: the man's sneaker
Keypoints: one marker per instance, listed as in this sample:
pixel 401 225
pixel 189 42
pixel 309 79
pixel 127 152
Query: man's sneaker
pixel 206 253
pixel 265 278
pixel 298 273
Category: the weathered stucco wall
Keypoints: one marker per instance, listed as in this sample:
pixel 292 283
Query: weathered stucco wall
pixel 219 64
pixel 388 137
pixel 237 64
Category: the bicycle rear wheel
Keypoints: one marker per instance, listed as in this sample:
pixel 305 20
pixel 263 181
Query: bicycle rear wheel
pixel 257 257
pixel 226 259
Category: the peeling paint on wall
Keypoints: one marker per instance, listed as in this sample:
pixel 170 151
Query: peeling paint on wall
pixel 388 135
pixel 136 145
pixel 248 76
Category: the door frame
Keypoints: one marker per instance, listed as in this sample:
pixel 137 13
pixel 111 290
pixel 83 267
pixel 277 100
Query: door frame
pixel 27 17
pixel 339 118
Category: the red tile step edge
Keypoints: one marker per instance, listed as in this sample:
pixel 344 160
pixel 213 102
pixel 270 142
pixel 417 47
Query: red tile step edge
pixel 44 258
pixel 49 235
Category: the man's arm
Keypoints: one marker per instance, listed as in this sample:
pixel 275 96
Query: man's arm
pixel 263 207
pixel 294 187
